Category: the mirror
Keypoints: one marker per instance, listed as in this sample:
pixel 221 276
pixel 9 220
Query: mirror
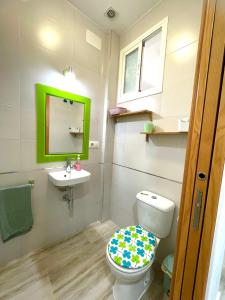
pixel 63 121
pixel 64 125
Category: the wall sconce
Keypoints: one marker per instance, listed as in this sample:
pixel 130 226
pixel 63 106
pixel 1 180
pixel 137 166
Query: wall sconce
pixel 69 73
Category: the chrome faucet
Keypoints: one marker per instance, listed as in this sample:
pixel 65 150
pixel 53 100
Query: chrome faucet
pixel 68 165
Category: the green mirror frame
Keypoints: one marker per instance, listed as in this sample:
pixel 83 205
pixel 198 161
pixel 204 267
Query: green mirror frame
pixel 41 92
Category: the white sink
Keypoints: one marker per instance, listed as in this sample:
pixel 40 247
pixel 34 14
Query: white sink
pixel 63 178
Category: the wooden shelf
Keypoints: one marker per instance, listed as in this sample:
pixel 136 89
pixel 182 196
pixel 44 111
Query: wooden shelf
pixel 133 113
pixel 163 133
pixel 76 133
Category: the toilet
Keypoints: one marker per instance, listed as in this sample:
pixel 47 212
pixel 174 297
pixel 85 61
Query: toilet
pixel 131 251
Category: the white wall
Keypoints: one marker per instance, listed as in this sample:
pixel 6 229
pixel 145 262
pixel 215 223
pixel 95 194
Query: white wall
pixel 109 127
pixel 26 59
pixel 157 165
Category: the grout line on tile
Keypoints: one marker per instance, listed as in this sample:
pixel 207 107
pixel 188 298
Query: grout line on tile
pixel 151 174
pixel 181 48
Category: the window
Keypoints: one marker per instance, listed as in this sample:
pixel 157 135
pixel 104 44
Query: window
pixel 131 68
pixel 142 64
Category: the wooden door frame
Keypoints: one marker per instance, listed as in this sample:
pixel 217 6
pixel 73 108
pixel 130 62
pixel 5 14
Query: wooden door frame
pixel 205 152
pixel 212 204
pixel 196 120
pixel 218 158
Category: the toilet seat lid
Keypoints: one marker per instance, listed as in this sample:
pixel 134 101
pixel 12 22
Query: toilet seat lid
pixel 132 247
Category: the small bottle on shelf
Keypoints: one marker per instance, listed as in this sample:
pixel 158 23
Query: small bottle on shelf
pixel 77 165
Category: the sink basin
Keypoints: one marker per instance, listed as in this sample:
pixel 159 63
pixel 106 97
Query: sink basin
pixel 63 178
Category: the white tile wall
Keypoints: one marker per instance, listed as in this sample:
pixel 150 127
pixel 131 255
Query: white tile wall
pixel 9 155
pixel 24 61
pixel 108 139
pixel 9 84
pixel 184 21
pixel 28 124
pixel 178 81
pixel 9 122
pixel 162 158
pixel 83 54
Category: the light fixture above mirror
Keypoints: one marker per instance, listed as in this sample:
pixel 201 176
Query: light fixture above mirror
pixel 69 73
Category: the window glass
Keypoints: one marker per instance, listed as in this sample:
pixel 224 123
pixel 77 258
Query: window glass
pixel 150 67
pixel 130 73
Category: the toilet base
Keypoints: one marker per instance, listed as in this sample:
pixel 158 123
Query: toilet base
pixel 134 290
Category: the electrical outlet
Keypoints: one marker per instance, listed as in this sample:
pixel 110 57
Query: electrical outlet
pixel 93 144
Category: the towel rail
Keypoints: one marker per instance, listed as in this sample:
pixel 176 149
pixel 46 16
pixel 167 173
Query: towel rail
pixel 31 182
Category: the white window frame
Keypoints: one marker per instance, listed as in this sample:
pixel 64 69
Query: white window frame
pixel 124 97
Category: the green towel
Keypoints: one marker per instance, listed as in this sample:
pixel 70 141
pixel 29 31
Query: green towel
pixel 15 211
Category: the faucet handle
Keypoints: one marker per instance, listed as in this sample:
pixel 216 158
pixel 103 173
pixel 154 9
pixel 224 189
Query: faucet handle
pixel 68 165
pixel 68 162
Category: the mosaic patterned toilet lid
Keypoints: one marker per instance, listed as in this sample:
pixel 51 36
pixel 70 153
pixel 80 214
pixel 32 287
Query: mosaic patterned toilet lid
pixel 132 247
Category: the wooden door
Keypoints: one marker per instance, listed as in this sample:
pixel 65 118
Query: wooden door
pixel 213 193
pixel 196 205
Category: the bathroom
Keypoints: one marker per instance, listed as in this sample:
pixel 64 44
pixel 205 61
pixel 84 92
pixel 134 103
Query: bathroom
pixel 78 52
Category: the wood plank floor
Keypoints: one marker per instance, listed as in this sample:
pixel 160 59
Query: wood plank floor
pixel 71 270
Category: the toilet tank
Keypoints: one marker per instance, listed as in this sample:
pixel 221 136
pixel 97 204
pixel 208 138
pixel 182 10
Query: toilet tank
pixel 155 213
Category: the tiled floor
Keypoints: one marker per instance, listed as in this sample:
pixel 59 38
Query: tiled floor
pixel 71 270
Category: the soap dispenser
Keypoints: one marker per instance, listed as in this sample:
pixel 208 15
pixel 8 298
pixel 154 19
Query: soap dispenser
pixel 77 165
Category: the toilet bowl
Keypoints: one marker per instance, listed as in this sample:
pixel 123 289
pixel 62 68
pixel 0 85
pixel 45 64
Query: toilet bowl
pixel 131 281
pixel 131 251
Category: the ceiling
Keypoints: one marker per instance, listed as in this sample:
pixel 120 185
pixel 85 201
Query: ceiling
pixel 129 11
